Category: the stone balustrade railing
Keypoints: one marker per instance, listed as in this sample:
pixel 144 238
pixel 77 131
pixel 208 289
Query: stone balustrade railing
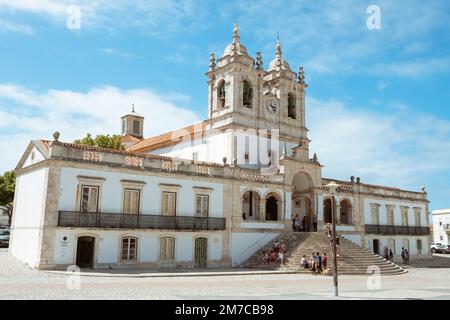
pixel 68 151
pixel 350 187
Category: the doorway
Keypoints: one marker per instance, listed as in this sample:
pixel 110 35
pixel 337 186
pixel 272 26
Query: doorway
pixel 271 209
pixel 85 252
pixel 376 246
pixel 201 250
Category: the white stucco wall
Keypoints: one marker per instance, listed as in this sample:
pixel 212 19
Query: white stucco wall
pixel 107 247
pixel 33 157
pixel 400 241
pixel 28 216
pixel 441 224
pixel 397 212
pixel 243 245
pixel 111 192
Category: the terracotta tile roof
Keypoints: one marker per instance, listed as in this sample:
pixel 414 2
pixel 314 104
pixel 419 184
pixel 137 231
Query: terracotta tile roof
pixel 130 138
pixel 167 139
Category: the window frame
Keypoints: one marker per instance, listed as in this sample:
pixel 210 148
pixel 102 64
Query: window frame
pixel 122 239
pixel 132 190
pixel 82 187
pixel 173 253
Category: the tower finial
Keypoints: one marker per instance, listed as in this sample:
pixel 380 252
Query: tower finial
pixel 132 107
pixel 236 37
pixel 278 53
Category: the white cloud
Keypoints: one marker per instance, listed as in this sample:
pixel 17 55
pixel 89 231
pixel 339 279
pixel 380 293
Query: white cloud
pixel 398 148
pixel 28 115
pixel 412 69
pixel 157 18
pixel 9 26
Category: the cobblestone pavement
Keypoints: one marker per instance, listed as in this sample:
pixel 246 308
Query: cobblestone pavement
pixel 17 281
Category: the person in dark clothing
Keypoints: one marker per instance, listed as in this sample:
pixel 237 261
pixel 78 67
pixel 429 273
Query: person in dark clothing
pixel 319 263
pixel 304 223
pixel 315 223
pixel 391 256
pixel 324 261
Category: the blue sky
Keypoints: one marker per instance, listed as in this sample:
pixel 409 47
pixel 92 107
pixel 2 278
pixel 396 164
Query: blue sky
pixel 378 100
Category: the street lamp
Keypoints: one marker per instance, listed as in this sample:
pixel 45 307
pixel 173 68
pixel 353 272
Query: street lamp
pixel 332 186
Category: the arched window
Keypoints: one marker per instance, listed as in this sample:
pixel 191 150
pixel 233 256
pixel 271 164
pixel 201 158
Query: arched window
pixel 129 249
pixel 291 106
pixel 247 96
pixel 221 94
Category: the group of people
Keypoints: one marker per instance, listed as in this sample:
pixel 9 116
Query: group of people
pixel 303 224
pixel 276 254
pixel 389 255
pixel 316 263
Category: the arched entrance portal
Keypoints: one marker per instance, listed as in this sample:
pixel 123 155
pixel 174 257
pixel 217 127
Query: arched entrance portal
pixel 303 199
pixel 271 208
pixel 85 252
pixel 327 211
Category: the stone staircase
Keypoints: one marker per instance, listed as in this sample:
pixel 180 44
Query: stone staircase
pixel 352 259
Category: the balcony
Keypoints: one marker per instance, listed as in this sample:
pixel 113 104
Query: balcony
pixel 396 230
pixel 138 221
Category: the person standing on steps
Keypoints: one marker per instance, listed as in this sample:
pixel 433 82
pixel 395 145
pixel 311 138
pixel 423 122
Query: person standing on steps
pixel 315 223
pixel 324 261
pixel 304 223
pixel 403 255
pixel 386 253
pixel 319 263
pixel 391 256
pixel 294 219
pixel 406 256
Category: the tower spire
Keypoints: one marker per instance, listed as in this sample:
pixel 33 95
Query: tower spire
pixel 236 37
pixel 278 53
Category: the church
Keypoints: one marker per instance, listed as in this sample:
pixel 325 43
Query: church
pixel 210 195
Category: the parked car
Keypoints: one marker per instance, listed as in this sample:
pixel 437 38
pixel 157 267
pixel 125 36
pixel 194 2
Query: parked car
pixel 4 238
pixel 439 248
pixel 447 249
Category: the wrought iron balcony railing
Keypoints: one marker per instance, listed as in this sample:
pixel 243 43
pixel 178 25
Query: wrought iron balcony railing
pixel 138 221
pixel 396 230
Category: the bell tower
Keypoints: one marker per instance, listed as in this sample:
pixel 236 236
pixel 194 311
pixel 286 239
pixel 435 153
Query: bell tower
pixel 133 124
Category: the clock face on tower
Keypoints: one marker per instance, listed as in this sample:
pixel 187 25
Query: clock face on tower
pixel 272 104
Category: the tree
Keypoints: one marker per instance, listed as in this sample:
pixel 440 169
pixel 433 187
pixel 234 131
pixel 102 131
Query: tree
pixel 7 187
pixel 103 141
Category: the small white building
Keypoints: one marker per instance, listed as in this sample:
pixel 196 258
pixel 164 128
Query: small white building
pixel 441 226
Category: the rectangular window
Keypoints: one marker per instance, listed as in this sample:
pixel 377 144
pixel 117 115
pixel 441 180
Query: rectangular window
pixel 136 127
pixel 201 205
pixel 418 218
pixel 169 203
pixel 89 199
pixel 167 249
pixel 195 156
pixel 129 249
pixel 131 201
pixel 375 215
pixel 441 237
pixel 404 217
pixel 440 223
pixel 390 216
pixel 124 126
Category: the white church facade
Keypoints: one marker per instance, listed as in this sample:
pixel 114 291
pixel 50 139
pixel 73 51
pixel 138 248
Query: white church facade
pixel 208 195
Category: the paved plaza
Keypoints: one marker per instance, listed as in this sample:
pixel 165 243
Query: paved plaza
pixel 17 281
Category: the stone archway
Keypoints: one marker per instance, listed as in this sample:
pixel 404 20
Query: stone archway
pixel 251 205
pixel 273 206
pixel 345 212
pixel 303 199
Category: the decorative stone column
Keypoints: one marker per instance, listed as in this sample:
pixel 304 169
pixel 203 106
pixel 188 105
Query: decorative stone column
pixel 319 199
pixel 262 209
